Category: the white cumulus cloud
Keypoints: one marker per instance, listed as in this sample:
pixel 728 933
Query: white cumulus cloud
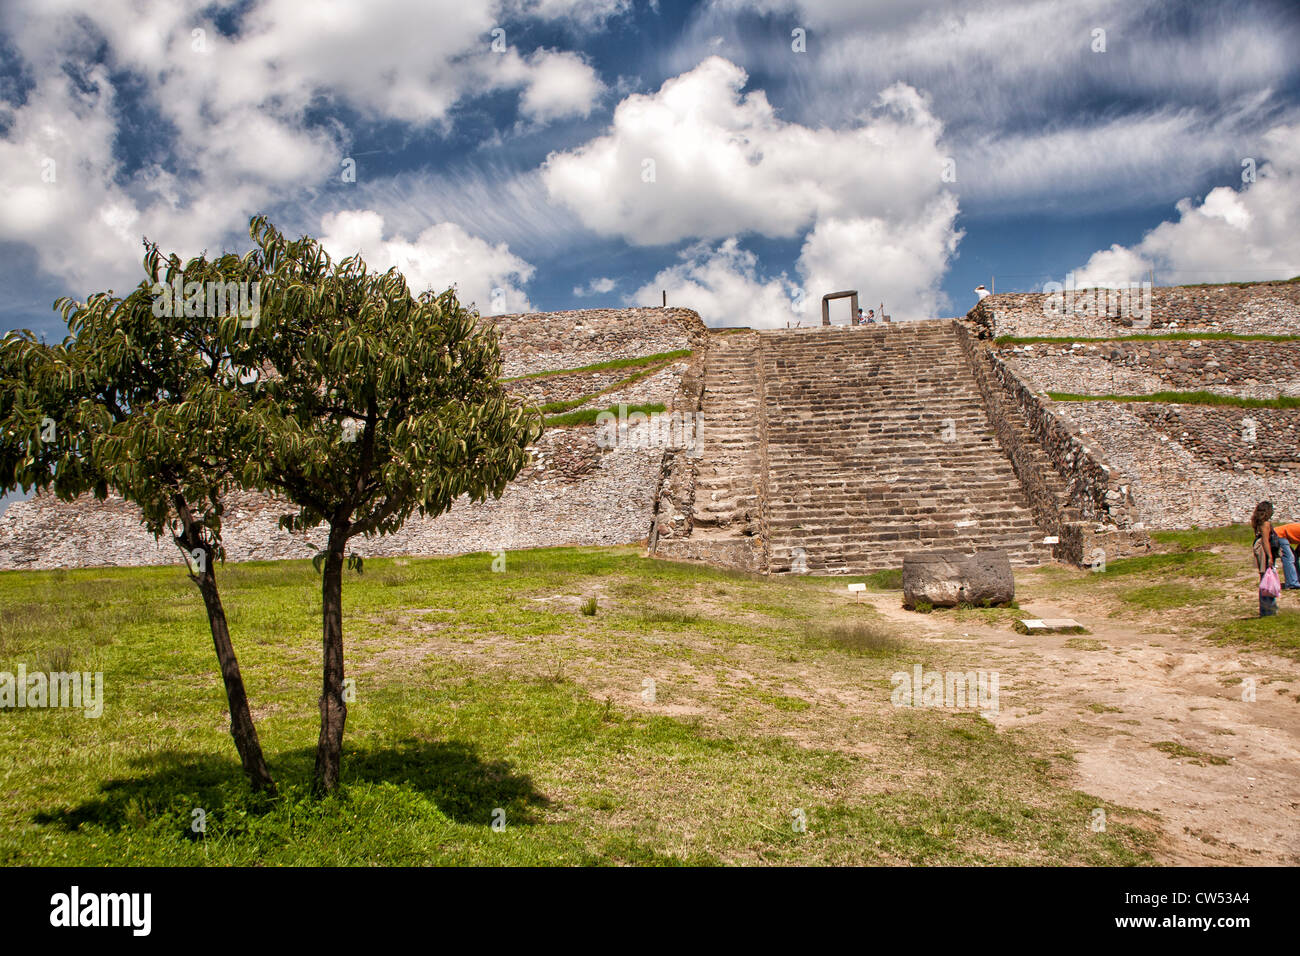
pixel 560 85
pixel 486 276
pixel 701 160
pixel 603 285
pixel 896 264
pixel 1231 235
pixel 229 133
pixel 725 285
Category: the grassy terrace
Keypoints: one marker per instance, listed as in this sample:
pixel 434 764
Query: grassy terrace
pixel 478 691
pixel 568 413
pixel 1183 398
pixel 588 416
pixel 660 358
pixel 1144 337
pixel 551 408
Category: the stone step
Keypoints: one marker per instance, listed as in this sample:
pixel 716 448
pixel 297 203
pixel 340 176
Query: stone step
pixel 854 446
pixel 845 413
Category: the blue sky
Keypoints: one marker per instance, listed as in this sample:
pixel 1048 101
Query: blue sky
pixel 907 149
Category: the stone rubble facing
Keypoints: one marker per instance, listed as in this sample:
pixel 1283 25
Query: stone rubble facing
pixel 1268 308
pixel 1245 369
pixel 1263 441
pixel 564 388
pixel 550 341
pixel 1183 464
pixel 574 492
pixel 658 388
pixel 838 450
pixel 1175 483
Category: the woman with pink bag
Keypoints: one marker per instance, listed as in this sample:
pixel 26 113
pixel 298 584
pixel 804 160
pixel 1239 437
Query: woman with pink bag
pixel 1265 556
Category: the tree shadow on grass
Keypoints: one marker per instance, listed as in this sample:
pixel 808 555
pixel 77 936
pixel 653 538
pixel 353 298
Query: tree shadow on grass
pixel 464 786
pixel 450 774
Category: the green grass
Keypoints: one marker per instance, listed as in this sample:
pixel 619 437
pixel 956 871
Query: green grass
pixel 1177 751
pixel 782 702
pixel 659 358
pixel 1205 573
pixel 1143 337
pixel 991 614
pixel 1180 563
pixel 863 638
pixel 1085 643
pixel 1279 633
pixel 588 416
pixel 1189 554
pixel 1159 597
pixel 551 408
pixel 1183 398
pixel 658 616
pixel 1209 572
pixel 1235 534
pixel 888 579
pixel 486 696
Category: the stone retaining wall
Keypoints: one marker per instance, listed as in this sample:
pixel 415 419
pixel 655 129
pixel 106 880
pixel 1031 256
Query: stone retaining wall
pixel 565 388
pixel 1261 308
pixel 549 341
pixel 574 493
pixel 1260 441
pixel 1092 507
pixel 1186 464
pixel 1178 482
pixel 674 503
pixel 1247 369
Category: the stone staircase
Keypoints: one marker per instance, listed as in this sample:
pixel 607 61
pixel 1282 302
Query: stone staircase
pixel 878 444
pixel 838 450
pixel 727 518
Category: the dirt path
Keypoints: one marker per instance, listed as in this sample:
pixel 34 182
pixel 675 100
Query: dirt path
pixel 1224 790
pixel 1117 693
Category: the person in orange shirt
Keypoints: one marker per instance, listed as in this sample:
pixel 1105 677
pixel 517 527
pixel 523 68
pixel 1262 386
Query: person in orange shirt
pixel 1289 534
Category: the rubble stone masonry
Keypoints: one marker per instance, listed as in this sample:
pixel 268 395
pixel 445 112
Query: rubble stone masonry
pixel 574 493
pixel 1247 369
pixel 1260 308
pixel 1094 474
pixel 1185 464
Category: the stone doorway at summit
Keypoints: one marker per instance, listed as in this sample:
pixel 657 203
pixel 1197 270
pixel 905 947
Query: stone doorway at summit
pixel 851 294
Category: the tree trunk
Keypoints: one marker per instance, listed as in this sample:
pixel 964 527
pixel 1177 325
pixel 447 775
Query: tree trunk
pixel 333 710
pixel 241 719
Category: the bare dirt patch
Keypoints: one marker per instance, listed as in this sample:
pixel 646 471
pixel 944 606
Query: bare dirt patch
pixel 1133 686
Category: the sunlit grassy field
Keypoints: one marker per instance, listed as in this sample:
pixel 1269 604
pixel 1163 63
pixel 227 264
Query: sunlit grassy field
pixel 697 717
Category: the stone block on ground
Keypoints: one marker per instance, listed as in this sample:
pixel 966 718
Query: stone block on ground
pixel 948 578
pixel 1050 625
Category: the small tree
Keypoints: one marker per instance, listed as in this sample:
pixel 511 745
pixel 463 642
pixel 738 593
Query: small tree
pixel 375 404
pixel 139 400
